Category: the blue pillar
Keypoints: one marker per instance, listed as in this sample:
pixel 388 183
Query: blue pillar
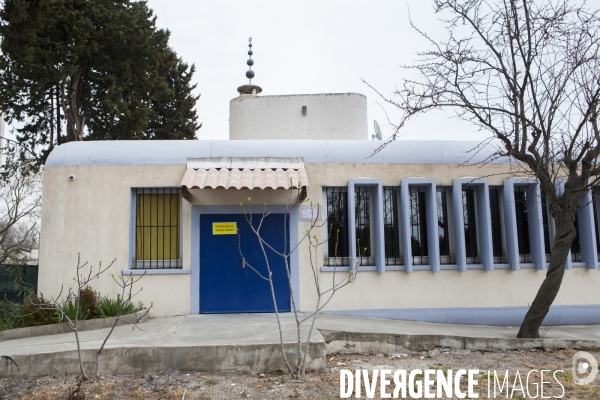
pixel 377 241
pixel 405 224
pixel 536 225
pixel 459 225
pixel 510 225
pixel 351 227
pixel 587 233
pixel 484 222
pixel 433 244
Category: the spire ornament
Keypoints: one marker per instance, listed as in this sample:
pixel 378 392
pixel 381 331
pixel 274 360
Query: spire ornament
pixel 249 88
pixel 250 62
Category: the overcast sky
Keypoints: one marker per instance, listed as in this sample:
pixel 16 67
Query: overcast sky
pixel 310 46
pixel 306 47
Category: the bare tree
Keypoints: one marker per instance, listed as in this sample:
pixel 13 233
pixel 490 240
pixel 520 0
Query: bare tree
pixel 73 296
pixel 20 203
pixel 324 293
pixel 527 73
pixel 125 299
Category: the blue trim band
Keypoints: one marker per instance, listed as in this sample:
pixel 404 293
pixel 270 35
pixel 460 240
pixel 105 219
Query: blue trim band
pixel 499 316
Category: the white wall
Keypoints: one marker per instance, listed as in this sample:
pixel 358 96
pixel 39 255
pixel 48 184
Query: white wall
pixel 91 215
pixel 338 116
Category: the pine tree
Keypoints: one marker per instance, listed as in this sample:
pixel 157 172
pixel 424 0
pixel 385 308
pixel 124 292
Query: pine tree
pixel 91 70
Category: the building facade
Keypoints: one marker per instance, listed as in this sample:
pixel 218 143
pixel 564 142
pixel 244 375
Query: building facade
pixel 430 232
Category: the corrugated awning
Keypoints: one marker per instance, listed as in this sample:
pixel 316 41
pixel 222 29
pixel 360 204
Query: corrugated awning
pixel 256 173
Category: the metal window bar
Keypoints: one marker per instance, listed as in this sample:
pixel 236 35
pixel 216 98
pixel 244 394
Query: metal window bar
pixel 157 228
pixel 520 193
pixel 443 228
pixel 391 226
pixel 470 226
pixel 576 245
pixel 545 221
pixel 418 226
pixel 496 222
pixel 337 225
pixel 362 216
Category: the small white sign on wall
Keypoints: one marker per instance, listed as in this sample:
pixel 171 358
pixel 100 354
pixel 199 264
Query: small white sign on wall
pixel 311 213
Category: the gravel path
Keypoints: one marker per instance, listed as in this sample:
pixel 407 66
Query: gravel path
pixel 276 385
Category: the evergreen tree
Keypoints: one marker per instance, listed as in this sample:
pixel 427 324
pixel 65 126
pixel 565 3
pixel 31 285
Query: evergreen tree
pixel 91 70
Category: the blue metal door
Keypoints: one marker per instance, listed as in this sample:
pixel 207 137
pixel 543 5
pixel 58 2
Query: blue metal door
pixel 228 287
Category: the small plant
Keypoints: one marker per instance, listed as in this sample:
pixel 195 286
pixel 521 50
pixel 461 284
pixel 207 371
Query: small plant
pixel 70 308
pixel 210 382
pixel 111 307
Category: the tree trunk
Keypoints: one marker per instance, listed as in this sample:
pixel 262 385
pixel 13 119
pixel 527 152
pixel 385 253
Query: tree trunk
pixel 565 233
pixel 58 133
pixel 51 119
pixel 75 120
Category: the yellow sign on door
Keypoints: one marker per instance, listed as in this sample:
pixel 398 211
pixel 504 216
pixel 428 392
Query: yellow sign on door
pixel 224 228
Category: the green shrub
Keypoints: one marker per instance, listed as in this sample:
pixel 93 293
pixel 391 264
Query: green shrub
pixel 31 315
pixel 89 302
pixel 8 319
pixel 110 307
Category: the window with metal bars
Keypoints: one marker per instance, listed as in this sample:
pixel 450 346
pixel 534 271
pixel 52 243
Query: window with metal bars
pixel 362 215
pixel 157 228
pixel 418 226
pixel 498 249
pixel 446 256
pixel 520 193
pixel 546 222
pixel 470 225
pixel 391 226
pixel 337 226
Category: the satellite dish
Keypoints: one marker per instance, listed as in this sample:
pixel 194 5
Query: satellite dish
pixel 377 130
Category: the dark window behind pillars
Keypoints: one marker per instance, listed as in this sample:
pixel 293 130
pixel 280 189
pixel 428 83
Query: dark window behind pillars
pixel 546 222
pixel 470 225
pixel 520 193
pixel 337 224
pixel 363 222
pixel 496 219
pixel 391 226
pixel 576 245
pixel 418 226
pixel 443 228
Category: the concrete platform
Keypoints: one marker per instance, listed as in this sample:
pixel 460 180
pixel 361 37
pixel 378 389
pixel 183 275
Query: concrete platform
pixel 249 343
pixel 346 334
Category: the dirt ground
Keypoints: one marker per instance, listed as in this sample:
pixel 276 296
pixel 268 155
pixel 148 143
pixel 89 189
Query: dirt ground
pixel 276 385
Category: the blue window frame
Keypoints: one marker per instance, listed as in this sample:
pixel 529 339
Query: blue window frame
pixel 337 226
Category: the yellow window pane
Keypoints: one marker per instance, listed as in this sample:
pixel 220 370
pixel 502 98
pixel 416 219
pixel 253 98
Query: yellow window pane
pixel 157 226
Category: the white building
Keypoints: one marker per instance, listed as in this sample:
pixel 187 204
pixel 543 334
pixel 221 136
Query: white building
pixel 446 240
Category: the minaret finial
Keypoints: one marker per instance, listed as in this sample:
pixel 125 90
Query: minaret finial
pixel 249 88
pixel 250 62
